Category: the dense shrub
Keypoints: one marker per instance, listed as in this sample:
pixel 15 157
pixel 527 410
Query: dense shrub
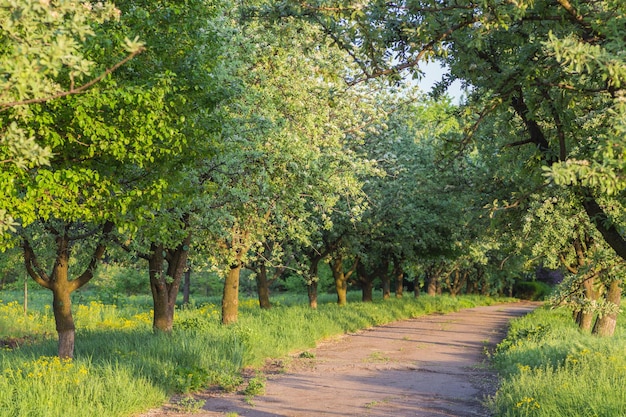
pixel 531 290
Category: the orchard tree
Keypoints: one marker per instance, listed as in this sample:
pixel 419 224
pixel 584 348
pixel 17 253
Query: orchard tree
pixel 567 240
pixel 284 160
pixel 415 207
pixel 183 42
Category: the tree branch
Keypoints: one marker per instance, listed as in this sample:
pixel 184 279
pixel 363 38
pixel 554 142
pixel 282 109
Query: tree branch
pixel 72 90
pixel 603 223
pixel 86 276
pixel 33 267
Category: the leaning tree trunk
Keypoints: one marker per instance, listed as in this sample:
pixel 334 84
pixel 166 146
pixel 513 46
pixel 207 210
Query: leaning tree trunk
pixel 584 319
pixel 263 287
pixel 230 298
pixel 605 325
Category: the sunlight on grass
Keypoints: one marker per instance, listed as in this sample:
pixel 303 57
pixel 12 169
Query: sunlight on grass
pixel 550 369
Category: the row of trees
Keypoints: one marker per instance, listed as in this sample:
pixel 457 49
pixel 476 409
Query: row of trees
pixel 229 135
pixel 546 106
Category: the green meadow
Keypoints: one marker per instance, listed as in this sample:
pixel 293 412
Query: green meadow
pixel 551 369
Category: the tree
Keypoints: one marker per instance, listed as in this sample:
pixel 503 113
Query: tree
pixel 183 41
pixel 285 163
pixel 564 238
pixel 415 207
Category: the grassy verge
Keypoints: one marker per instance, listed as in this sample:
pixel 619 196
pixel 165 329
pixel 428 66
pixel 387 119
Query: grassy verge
pixel 121 368
pixel 549 368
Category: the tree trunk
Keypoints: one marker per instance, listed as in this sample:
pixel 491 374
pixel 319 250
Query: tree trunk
pixel 605 325
pixel 263 287
pixel 312 282
pixel 63 319
pixel 584 318
pixel 432 285
pixel 341 279
pixel 165 284
pixel 187 286
pixel 230 299
pixel 386 285
pixel 163 316
pixel 366 282
pixel 398 274
pixel 433 279
pixel 367 288
pixel 416 286
pixel 456 285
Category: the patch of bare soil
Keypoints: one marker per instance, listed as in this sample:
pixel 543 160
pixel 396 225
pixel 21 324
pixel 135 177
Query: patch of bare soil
pixel 432 366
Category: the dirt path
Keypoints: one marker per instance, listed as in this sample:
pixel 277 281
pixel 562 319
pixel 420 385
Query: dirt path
pixel 431 366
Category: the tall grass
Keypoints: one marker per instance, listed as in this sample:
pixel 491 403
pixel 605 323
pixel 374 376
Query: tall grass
pixel 122 368
pixel 549 368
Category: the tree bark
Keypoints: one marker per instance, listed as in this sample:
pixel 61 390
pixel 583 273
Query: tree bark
pixel 341 278
pixel 165 283
pixel 230 299
pixel 365 279
pixel 386 285
pixel 341 285
pixel 584 318
pixel 263 287
pixel 367 291
pixel 63 319
pixel 433 280
pixel 162 320
pixel 398 274
pixel 312 281
pixel 456 285
pixel 605 325
pixel 187 286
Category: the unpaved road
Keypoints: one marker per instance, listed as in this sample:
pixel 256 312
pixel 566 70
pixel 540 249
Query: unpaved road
pixel 432 366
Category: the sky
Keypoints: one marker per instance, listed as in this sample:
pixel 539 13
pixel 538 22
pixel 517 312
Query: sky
pixel 432 74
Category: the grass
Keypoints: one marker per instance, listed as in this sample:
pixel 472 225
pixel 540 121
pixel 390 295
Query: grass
pixel 121 368
pixel 549 368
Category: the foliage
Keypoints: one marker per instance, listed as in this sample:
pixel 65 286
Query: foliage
pixel 44 57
